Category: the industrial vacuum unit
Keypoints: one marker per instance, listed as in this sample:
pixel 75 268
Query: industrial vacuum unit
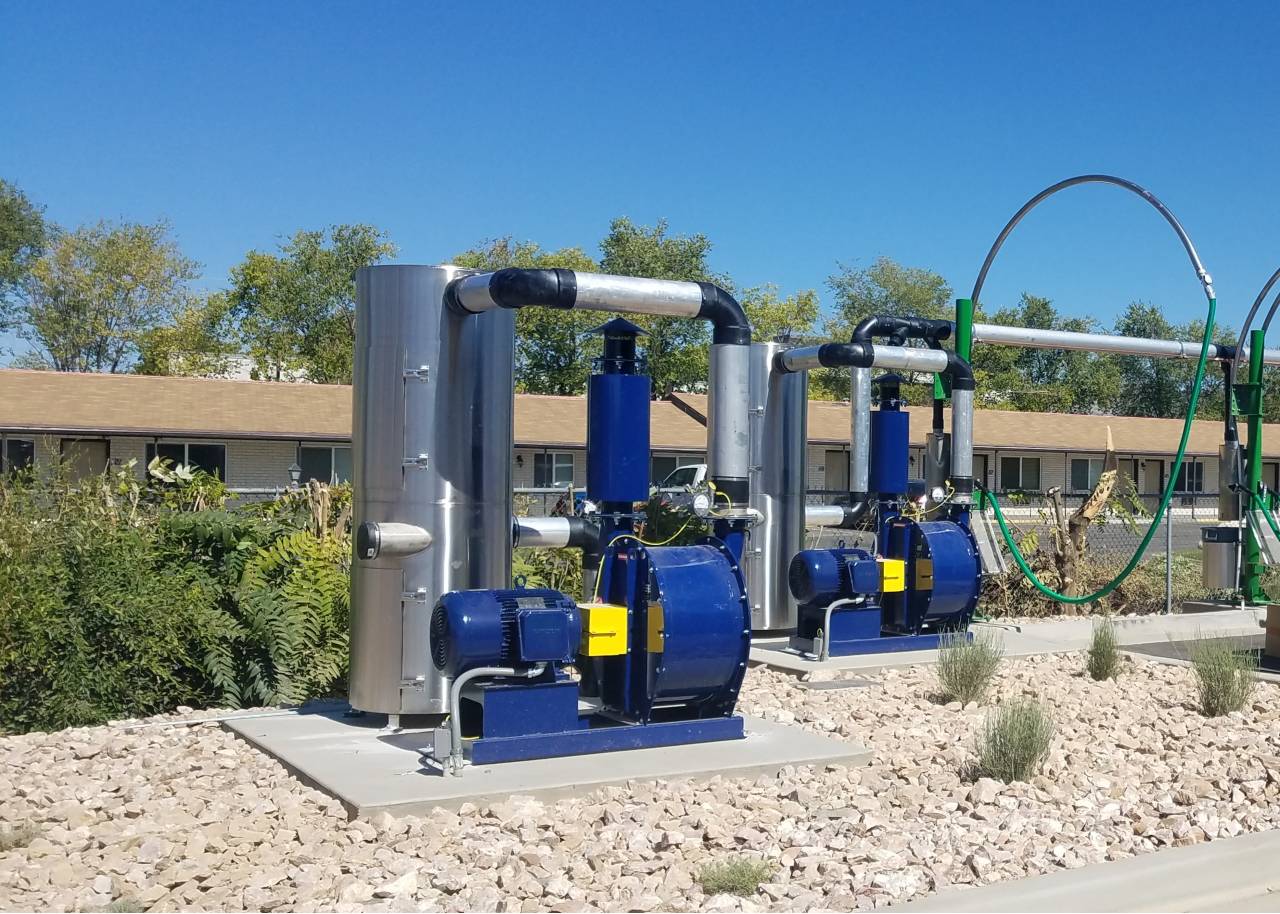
pixel 660 649
pixel 923 574
pixel 922 579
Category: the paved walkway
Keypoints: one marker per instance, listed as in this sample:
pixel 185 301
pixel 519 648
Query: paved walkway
pixel 1050 636
pixel 1235 874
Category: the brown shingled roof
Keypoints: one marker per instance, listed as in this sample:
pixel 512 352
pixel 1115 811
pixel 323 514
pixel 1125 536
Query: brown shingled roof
pixel 999 429
pixel 69 403
pixel 121 404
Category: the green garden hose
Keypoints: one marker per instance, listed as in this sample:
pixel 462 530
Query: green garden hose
pixel 1115 582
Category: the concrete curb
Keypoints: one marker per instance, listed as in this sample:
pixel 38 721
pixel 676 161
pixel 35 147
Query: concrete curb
pixel 1216 876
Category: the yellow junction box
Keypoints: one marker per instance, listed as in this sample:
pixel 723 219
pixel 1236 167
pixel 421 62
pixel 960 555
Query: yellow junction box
pixel 604 629
pixel 893 575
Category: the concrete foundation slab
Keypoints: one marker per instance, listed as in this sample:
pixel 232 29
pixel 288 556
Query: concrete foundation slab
pixel 1236 874
pixel 371 769
pixel 1023 639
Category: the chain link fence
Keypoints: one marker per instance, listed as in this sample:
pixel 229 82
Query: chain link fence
pixel 1110 541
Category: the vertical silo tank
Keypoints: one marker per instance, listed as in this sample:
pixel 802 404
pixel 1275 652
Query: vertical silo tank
pixel 779 437
pixel 432 438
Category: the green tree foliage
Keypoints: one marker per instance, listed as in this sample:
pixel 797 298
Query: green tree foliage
pixel 1044 380
pixel 91 298
pixel 199 342
pixel 773 317
pixel 296 309
pixel 884 288
pixel 677 348
pixel 553 349
pixel 1162 387
pixel 23 238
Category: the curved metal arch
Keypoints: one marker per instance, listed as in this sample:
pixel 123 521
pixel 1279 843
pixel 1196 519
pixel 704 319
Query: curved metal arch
pixel 1253 311
pixel 1201 273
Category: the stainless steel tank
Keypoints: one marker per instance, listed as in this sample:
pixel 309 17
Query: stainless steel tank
pixel 431 446
pixel 779 435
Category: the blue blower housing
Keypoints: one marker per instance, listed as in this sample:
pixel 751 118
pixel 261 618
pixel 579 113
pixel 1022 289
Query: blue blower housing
pixel 514 628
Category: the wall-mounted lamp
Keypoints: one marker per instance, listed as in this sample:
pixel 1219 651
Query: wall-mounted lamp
pixel 519 460
pixel 295 474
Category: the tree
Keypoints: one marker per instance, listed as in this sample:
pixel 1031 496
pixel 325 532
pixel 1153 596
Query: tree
pixel 1162 387
pixel 779 318
pixel 1044 380
pixel 553 352
pixel 23 236
pixel 90 299
pixel 200 341
pixel 677 348
pixel 296 310
pixel 884 288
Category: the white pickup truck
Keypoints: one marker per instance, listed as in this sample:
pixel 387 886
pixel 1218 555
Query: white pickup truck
pixel 683 484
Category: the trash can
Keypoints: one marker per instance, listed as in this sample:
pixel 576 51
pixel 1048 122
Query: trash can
pixel 1220 549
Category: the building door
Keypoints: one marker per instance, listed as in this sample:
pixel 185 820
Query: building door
pixel 83 457
pixel 980 469
pixel 1153 477
pixel 837 472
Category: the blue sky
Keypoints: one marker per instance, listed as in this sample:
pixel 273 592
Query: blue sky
pixel 794 135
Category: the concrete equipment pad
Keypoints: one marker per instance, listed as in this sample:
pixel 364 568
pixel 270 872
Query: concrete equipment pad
pixel 1023 639
pixel 372 769
pixel 1233 874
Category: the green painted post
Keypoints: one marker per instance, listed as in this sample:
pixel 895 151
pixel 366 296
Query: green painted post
pixel 1251 572
pixel 964 329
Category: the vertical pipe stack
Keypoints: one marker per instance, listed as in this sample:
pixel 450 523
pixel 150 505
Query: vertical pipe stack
pixel 431 447
pixel 779 433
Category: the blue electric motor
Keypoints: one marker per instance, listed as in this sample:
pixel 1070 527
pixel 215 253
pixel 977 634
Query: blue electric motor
pixel 824 575
pixel 513 628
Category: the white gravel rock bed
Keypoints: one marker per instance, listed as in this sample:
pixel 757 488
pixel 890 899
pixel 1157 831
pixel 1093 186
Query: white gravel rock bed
pixel 190 817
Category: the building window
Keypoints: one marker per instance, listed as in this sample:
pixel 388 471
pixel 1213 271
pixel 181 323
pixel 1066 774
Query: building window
pixel 325 464
pixel 18 454
pixel 1085 472
pixel 1020 473
pixel 661 467
pixel 552 470
pixel 84 457
pixel 211 458
pixel 1190 477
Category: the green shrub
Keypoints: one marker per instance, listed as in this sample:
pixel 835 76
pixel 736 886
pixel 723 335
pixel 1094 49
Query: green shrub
pixel 1014 741
pixel 1104 651
pixel 125 598
pixel 1225 677
pixel 735 876
pixel 966 665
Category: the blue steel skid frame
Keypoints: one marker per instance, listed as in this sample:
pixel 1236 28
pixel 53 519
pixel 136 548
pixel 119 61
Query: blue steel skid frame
pixel 607 736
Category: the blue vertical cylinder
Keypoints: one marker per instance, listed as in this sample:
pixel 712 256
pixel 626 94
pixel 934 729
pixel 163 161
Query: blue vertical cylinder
pixel 890 450
pixel 618 438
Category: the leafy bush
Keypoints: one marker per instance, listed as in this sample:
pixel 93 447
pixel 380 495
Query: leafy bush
pixel 735 876
pixel 1225 677
pixel 966 665
pixel 1104 651
pixel 1014 741
pixel 126 598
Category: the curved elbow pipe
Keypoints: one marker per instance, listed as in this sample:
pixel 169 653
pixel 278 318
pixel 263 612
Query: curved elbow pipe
pixel 901 329
pixel 728 321
pixel 728 434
